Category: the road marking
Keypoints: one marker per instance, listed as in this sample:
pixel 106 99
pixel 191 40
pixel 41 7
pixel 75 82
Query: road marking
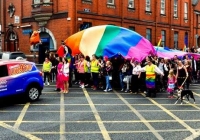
pixel 21 116
pixel 62 117
pixel 114 132
pixel 97 117
pixel 20 132
pixel 157 135
pixel 172 115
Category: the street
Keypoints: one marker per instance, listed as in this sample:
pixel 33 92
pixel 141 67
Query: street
pixel 84 114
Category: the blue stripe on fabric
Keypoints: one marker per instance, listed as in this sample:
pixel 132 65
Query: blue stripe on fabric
pixel 122 43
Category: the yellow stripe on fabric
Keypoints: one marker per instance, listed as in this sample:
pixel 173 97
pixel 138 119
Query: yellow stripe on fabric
pixel 90 40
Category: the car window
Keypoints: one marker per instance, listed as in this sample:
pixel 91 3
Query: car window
pixel 3 71
pixel 15 55
pixel 1 55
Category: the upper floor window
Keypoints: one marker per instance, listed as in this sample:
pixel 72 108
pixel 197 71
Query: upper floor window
pixel 175 8
pixel 111 2
pixel 148 5
pixel 185 10
pixel 36 1
pixel 131 4
pixel 162 7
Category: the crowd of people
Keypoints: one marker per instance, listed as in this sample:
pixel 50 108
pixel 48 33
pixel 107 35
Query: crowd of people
pixel 150 76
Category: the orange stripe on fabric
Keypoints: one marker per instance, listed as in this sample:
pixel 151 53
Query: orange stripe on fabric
pixel 74 42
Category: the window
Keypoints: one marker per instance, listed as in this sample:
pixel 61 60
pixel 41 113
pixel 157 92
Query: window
pixel 110 2
pixel 176 8
pixel 4 71
pixel 175 40
pixel 162 7
pixel 36 1
pixel 186 39
pixel 132 28
pixel 85 25
pixel 185 10
pixel 148 5
pixel 148 34
pixel 130 3
pixel 163 41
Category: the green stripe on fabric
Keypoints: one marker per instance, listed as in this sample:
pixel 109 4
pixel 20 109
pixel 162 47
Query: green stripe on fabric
pixel 110 33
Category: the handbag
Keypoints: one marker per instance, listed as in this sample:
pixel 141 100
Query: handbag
pixel 110 77
pixel 125 79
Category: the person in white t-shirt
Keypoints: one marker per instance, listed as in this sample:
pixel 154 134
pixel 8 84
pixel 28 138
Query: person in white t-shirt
pixel 65 78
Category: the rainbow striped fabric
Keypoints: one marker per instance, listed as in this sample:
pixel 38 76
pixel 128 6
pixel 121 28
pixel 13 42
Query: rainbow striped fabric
pixel 109 40
pixel 150 80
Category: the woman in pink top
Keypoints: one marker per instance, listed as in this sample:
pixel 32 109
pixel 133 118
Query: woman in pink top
pixel 81 70
pixel 59 81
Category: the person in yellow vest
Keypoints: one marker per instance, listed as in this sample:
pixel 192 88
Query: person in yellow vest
pixel 151 71
pixel 95 71
pixel 46 69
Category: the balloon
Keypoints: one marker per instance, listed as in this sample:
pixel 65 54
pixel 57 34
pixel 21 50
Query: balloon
pixel 35 38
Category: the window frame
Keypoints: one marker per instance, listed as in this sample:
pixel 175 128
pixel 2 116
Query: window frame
pixel 149 34
pixel 163 39
pixel 111 3
pixel 175 8
pixel 176 39
pixel 162 7
pixel 132 5
pixel 148 6
pixel 185 10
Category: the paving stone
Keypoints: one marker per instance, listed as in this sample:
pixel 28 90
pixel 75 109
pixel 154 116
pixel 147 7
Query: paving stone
pixel 112 108
pixel 175 135
pixel 118 116
pixel 187 115
pixel 79 116
pixel 44 108
pixel 133 136
pixel 138 101
pixel 84 136
pixel 129 126
pixel 107 101
pixel 156 115
pixel 77 108
pixel 75 101
pixel 145 107
pixel 82 127
pixel 166 125
pixel 42 116
pixel 40 127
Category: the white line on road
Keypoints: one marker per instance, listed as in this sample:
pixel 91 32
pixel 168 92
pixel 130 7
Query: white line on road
pixel 62 117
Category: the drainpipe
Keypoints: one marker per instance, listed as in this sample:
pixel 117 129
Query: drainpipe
pixel 122 11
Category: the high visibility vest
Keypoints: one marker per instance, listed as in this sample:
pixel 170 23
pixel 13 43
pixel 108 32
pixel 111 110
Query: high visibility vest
pixel 94 66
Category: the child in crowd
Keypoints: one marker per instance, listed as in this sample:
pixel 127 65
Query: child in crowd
pixel 171 83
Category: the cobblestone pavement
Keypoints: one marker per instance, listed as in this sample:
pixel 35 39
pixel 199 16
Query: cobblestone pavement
pixel 84 114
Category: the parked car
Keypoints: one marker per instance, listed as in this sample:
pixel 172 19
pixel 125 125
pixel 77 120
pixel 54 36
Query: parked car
pixel 12 55
pixel 19 77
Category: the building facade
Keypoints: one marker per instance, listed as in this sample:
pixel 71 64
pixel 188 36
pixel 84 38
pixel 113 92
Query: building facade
pixel 177 22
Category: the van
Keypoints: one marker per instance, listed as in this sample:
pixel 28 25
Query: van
pixel 12 56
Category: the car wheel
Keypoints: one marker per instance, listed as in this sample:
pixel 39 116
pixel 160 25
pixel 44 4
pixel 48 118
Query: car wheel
pixel 33 93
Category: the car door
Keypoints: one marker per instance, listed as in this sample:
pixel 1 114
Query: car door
pixel 5 90
pixel 16 78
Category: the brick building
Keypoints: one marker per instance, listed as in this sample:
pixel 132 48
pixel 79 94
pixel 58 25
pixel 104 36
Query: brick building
pixel 176 21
